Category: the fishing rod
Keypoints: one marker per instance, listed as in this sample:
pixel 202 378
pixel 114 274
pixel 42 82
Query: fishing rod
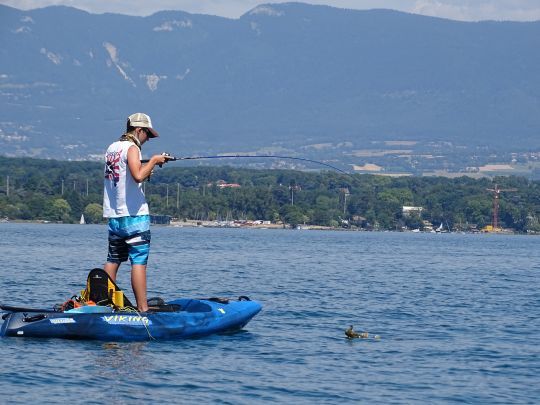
pixel 174 158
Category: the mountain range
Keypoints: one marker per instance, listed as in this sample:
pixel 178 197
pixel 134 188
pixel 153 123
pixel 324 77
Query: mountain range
pixel 281 77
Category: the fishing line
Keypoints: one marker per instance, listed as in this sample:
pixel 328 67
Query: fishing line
pixel 142 319
pixel 173 158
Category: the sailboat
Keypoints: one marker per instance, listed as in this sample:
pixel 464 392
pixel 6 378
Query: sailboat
pixel 440 228
pixel 82 221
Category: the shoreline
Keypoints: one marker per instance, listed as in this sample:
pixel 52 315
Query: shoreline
pixel 256 225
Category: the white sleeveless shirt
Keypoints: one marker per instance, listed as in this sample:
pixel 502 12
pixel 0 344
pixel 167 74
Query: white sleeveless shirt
pixel 122 195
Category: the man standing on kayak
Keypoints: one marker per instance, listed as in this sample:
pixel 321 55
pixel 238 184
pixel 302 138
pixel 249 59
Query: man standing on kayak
pixel 124 203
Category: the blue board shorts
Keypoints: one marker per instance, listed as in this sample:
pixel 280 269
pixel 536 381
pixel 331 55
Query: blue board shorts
pixel 129 237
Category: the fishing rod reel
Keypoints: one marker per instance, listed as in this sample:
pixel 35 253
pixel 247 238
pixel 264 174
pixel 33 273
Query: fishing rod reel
pixel 169 158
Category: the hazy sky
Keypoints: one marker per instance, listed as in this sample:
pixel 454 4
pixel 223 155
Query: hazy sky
pixel 468 10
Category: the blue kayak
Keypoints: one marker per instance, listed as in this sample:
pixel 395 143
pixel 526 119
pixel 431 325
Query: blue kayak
pixel 191 318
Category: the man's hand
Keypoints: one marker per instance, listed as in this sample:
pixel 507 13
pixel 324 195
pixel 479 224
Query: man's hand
pixel 160 160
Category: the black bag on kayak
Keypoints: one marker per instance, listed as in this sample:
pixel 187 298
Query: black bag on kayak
pixel 103 291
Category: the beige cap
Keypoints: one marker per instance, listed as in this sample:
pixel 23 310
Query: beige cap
pixel 141 120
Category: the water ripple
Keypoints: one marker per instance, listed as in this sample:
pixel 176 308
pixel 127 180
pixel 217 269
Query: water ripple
pixel 457 317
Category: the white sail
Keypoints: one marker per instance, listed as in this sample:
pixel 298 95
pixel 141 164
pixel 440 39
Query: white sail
pixel 82 221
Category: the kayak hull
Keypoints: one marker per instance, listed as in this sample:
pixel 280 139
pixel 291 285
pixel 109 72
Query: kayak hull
pixel 196 318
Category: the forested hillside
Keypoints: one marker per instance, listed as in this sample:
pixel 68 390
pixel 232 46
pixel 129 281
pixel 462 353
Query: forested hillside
pixel 32 189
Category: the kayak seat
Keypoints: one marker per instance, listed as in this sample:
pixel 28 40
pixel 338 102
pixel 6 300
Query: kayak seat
pixel 104 291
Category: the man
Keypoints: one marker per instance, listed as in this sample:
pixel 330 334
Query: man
pixel 124 203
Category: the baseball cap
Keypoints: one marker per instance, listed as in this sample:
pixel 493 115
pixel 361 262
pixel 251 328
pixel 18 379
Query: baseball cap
pixel 142 120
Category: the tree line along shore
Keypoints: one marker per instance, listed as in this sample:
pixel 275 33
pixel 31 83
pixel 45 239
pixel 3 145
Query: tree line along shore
pixel 62 191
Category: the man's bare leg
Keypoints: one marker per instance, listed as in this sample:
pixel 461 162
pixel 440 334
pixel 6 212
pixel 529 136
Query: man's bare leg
pixel 111 269
pixel 138 283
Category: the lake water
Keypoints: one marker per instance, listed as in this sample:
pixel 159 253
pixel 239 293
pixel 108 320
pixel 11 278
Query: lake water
pixel 457 315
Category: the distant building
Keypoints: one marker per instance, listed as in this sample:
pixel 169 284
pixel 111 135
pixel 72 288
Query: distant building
pixel 160 219
pixel 368 167
pixel 223 184
pixel 494 168
pixel 412 210
pixel 428 226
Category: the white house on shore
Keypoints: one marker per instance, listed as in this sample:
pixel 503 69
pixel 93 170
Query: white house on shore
pixel 411 210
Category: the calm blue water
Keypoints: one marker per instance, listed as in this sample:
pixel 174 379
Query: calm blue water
pixel 458 317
